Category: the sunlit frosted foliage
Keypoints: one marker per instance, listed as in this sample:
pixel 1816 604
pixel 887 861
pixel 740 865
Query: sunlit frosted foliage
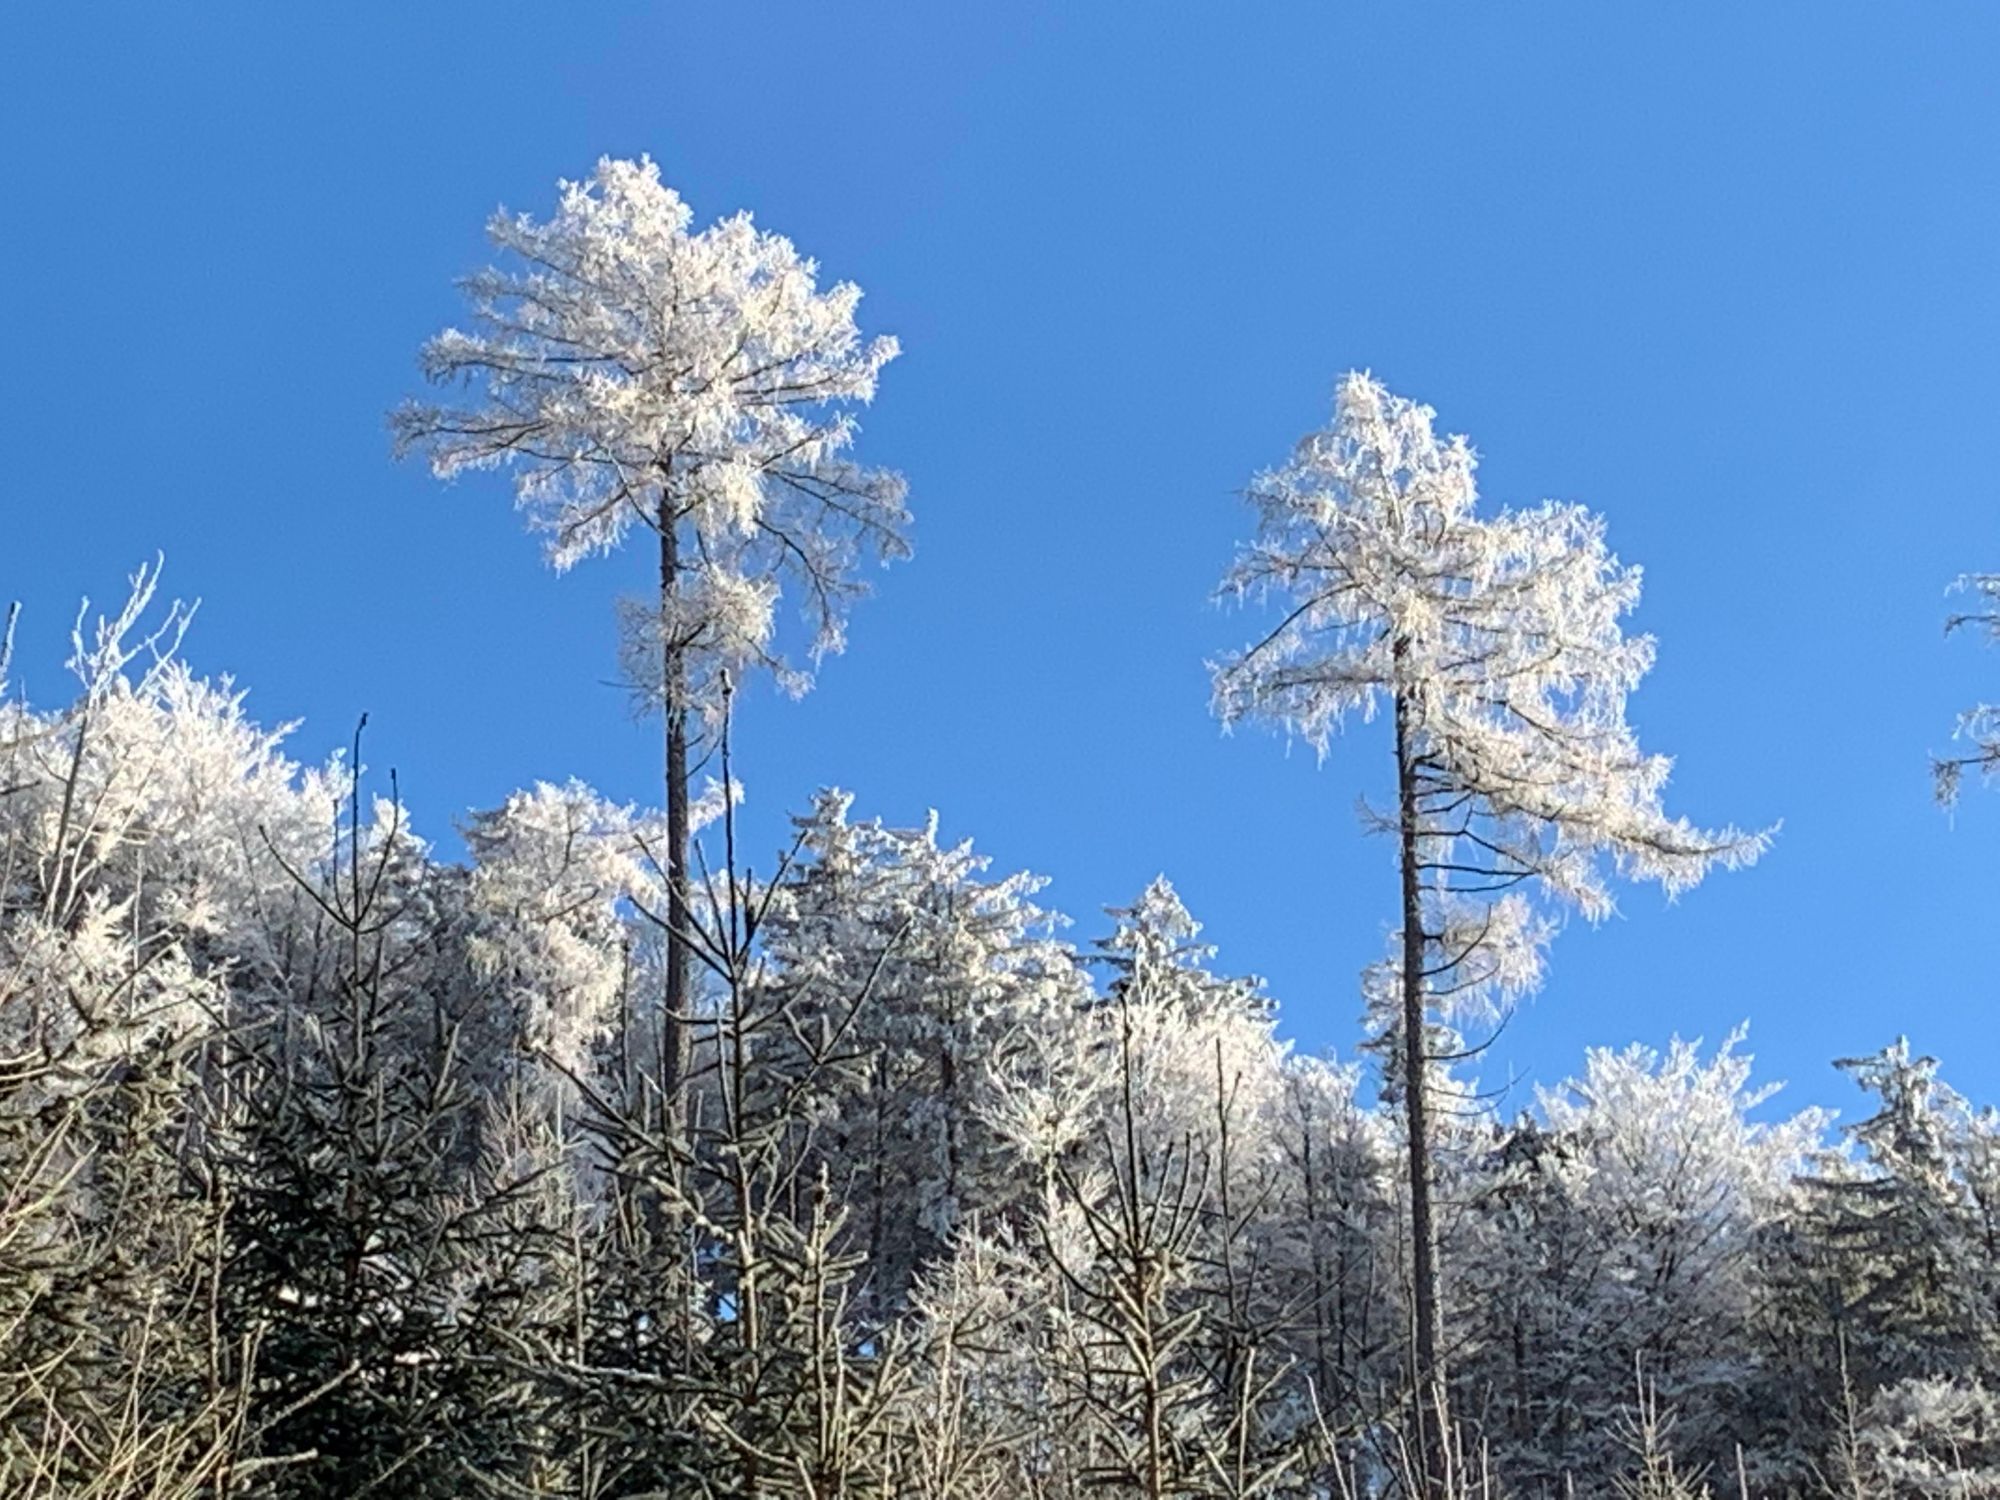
pixel 341 1156
pixel 1189 1056
pixel 1141 1307
pixel 132 845
pixel 962 979
pixel 1927 1439
pixel 1202 1045
pixel 1668 1132
pixel 108 907
pixel 1332 1228
pixel 1500 634
pixel 551 869
pixel 1156 957
pixel 632 370
pixel 1494 640
pixel 1616 1238
pixel 1497 639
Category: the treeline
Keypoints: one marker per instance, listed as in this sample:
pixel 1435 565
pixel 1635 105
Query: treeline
pixel 330 1167
pixel 601 1165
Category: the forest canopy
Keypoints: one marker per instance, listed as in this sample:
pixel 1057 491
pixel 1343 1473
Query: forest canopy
pixel 600 1160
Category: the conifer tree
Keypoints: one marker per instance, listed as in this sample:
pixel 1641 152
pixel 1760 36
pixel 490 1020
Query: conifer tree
pixel 1613 1240
pixel 693 384
pixel 965 978
pixel 1494 642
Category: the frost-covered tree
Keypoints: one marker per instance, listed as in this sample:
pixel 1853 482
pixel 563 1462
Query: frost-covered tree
pixel 1979 726
pixel 333 1164
pixel 1332 1249
pixel 557 876
pixel 1613 1240
pixel 1193 1080
pixel 113 1382
pixel 720 1342
pixel 1191 1030
pixel 1133 1290
pixel 1897 1245
pixel 1494 641
pixel 969 987
pixel 696 384
pixel 365 1243
pixel 1926 1439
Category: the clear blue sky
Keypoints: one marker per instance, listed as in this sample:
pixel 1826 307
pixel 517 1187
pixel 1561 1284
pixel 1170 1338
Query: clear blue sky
pixel 1726 273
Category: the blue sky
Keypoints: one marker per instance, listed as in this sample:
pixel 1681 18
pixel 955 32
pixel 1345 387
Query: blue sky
pixel 1724 273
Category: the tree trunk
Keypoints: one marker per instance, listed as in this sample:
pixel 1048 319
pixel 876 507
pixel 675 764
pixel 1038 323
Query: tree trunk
pixel 1428 1376
pixel 673 706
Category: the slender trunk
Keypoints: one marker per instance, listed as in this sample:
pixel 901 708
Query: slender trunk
pixel 1428 1376
pixel 948 1093
pixel 673 705
pixel 1140 1287
pixel 1322 1366
pixel 878 1192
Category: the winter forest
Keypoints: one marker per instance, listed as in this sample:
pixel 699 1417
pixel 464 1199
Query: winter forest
pixel 617 1159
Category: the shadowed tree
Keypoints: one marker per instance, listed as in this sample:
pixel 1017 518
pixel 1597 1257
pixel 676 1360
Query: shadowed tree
pixel 693 384
pixel 1494 641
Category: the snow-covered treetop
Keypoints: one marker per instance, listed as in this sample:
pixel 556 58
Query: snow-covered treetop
pixel 1498 633
pixel 633 371
pixel 1155 954
pixel 1669 1128
pixel 1907 1134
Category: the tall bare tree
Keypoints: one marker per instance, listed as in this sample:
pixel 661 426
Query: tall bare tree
pixel 1494 641
pixel 694 384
